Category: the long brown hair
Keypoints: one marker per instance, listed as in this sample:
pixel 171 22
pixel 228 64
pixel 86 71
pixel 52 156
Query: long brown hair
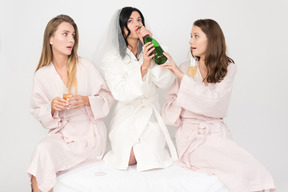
pixel 47 54
pixel 216 60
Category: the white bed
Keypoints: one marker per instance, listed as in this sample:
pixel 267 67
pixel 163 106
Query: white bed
pixel 172 179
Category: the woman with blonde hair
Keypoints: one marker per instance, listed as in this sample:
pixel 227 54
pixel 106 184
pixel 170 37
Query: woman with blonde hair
pixel 76 132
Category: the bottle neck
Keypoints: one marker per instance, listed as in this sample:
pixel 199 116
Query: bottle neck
pixel 145 37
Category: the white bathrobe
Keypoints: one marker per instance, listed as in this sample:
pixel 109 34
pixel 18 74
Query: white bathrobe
pixel 136 122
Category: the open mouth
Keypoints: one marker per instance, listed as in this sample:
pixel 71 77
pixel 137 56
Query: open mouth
pixel 193 47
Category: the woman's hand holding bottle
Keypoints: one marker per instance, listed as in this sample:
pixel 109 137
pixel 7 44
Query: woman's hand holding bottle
pixel 147 56
pixel 142 32
pixel 147 50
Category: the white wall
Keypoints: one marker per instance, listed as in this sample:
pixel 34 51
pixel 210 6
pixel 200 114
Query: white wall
pixel 256 34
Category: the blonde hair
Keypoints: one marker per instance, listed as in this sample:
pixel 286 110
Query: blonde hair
pixel 47 54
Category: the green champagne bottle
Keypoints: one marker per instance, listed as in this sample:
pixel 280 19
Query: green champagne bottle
pixel 159 58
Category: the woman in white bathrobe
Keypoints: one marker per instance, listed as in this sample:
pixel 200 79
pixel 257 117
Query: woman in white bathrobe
pixel 137 132
pixel 198 102
pixel 76 131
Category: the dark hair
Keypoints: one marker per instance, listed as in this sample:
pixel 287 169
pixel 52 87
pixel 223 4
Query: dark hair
pixel 123 20
pixel 216 60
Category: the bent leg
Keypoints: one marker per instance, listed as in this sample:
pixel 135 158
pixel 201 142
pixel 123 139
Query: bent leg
pixel 34 185
pixel 132 159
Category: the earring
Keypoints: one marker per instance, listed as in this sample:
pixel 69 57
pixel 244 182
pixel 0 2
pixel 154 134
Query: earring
pixel 51 43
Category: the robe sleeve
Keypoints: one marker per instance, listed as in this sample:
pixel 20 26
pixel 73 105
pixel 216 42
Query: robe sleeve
pixel 161 77
pixel 124 80
pixel 198 98
pixel 171 110
pixel 101 98
pixel 41 105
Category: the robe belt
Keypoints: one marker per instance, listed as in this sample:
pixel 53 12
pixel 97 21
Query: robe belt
pixel 75 117
pixel 149 102
pixel 203 129
pixel 88 141
pixel 63 121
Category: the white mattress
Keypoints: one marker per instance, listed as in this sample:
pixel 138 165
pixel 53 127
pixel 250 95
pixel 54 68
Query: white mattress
pixel 172 179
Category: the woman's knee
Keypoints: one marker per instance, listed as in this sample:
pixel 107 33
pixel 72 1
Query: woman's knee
pixel 132 159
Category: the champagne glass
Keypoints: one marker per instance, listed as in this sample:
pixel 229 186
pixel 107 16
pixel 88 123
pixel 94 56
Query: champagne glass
pixel 99 171
pixel 192 69
pixel 100 153
pixel 66 96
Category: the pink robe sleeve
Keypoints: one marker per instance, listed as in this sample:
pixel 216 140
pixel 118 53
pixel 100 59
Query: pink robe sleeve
pixel 171 110
pixel 41 105
pixel 198 98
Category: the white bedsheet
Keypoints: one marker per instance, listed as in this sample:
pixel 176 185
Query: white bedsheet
pixel 172 179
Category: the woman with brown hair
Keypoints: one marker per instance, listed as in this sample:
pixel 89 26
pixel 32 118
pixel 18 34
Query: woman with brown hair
pixel 76 131
pixel 197 103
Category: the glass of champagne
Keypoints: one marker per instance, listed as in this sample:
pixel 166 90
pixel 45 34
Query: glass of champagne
pixel 66 96
pixel 99 171
pixel 192 69
pixel 100 153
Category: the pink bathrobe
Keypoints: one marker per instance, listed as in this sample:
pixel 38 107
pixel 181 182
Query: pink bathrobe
pixel 74 137
pixel 203 140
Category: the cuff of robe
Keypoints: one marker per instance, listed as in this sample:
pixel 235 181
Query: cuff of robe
pixel 172 117
pixel 47 120
pixel 185 88
pixel 98 107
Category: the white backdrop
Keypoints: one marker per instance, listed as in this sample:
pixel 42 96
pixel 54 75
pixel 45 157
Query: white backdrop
pixel 256 35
